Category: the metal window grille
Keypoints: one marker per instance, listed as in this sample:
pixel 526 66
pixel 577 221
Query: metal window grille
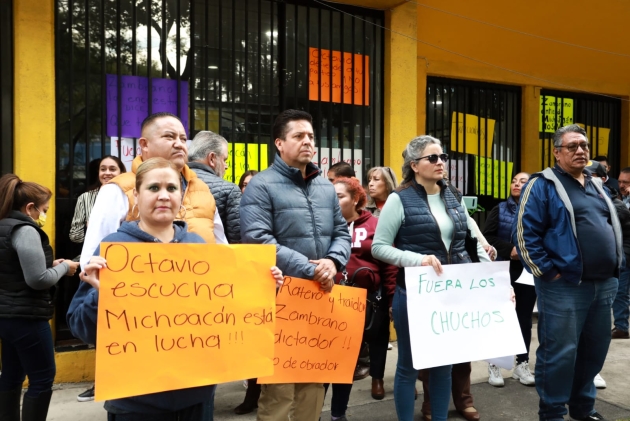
pixel 350 127
pixel 254 60
pixel 231 66
pixel 599 116
pixel 6 86
pixel 479 126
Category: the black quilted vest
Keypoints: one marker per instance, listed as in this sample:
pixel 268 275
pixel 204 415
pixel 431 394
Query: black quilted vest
pixel 17 299
pixel 420 233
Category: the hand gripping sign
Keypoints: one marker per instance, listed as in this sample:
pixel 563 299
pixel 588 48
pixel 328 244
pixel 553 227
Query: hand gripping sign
pixel 173 316
pixel 318 335
pixel 463 315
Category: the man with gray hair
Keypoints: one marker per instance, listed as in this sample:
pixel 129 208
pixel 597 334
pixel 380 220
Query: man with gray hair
pixel 208 159
pixel 568 235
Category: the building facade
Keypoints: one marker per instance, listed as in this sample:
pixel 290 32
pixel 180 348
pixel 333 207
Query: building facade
pixel 78 76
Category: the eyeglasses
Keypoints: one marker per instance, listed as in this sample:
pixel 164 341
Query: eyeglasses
pixel 433 158
pixel 572 147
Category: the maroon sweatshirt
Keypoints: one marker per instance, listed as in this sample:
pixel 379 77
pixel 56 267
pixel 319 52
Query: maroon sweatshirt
pixel 361 256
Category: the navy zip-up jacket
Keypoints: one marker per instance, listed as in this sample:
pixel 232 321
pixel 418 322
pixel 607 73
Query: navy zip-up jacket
pixel 544 231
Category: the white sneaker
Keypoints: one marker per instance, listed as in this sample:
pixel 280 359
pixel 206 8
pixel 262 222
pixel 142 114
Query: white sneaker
pixel 494 376
pixel 521 373
pixel 600 383
pixel 390 346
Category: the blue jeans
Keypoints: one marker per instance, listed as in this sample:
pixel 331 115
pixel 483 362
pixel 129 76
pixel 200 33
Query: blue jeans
pixel 620 306
pixel 27 350
pixel 406 375
pixel 574 335
pixel 207 412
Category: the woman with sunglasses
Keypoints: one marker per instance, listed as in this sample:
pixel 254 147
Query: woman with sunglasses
pixel 428 225
pixel 381 182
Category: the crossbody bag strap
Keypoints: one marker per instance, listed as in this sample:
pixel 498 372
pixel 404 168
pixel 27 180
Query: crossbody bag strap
pixel 353 283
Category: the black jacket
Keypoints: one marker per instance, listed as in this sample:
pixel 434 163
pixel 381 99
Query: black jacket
pixel 227 197
pixel 502 244
pixel 624 218
pixel 17 299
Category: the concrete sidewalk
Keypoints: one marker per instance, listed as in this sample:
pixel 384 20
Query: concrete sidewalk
pixel 513 402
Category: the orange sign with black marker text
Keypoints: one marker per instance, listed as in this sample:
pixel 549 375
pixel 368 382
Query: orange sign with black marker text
pixel 354 84
pixel 318 335
pixel 173 316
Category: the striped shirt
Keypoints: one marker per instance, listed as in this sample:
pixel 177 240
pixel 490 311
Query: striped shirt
pixel 82 212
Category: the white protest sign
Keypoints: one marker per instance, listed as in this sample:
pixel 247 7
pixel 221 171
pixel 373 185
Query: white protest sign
pixel 526 278
pixel 465 314
pixel 503 362
pixel 328 158
pixel 458 173
pixel 127 153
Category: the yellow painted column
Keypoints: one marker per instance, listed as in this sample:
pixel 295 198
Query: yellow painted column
pixel 421 97
pixel 625 134
pixel 401 85
pixel 34 96
pixel 530 143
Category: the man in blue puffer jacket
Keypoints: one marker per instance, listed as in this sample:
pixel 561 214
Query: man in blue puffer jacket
pixel 567 234
pixel 291 206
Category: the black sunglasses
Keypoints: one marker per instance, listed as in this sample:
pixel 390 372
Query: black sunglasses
pixel 572 147
pixel 433 158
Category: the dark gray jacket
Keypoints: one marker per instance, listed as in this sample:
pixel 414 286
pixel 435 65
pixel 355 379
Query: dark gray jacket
pixel 228 198
pixel 301 216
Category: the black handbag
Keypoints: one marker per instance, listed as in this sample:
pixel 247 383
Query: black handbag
pixel 470 244
pixel 373 309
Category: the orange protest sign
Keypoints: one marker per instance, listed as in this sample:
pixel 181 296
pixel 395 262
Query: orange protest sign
pixel 173 316
pixel 322 63
pixel 318 335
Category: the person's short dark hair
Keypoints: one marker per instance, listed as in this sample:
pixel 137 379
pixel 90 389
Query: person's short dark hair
pixel 571 128
pixel 600 158
pixel 625 170
pixel 342 169
pixel 285 117
pixel 150 119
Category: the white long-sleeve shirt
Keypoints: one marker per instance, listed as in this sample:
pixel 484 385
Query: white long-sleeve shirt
pixel 110 211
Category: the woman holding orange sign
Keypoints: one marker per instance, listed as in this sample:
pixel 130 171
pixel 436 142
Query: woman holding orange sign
pixel 158 197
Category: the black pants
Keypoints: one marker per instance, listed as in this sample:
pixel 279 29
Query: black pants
pixel 378 344
pixel 192 413
pixel 340 398
pixel 525 301
pixel 27 350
